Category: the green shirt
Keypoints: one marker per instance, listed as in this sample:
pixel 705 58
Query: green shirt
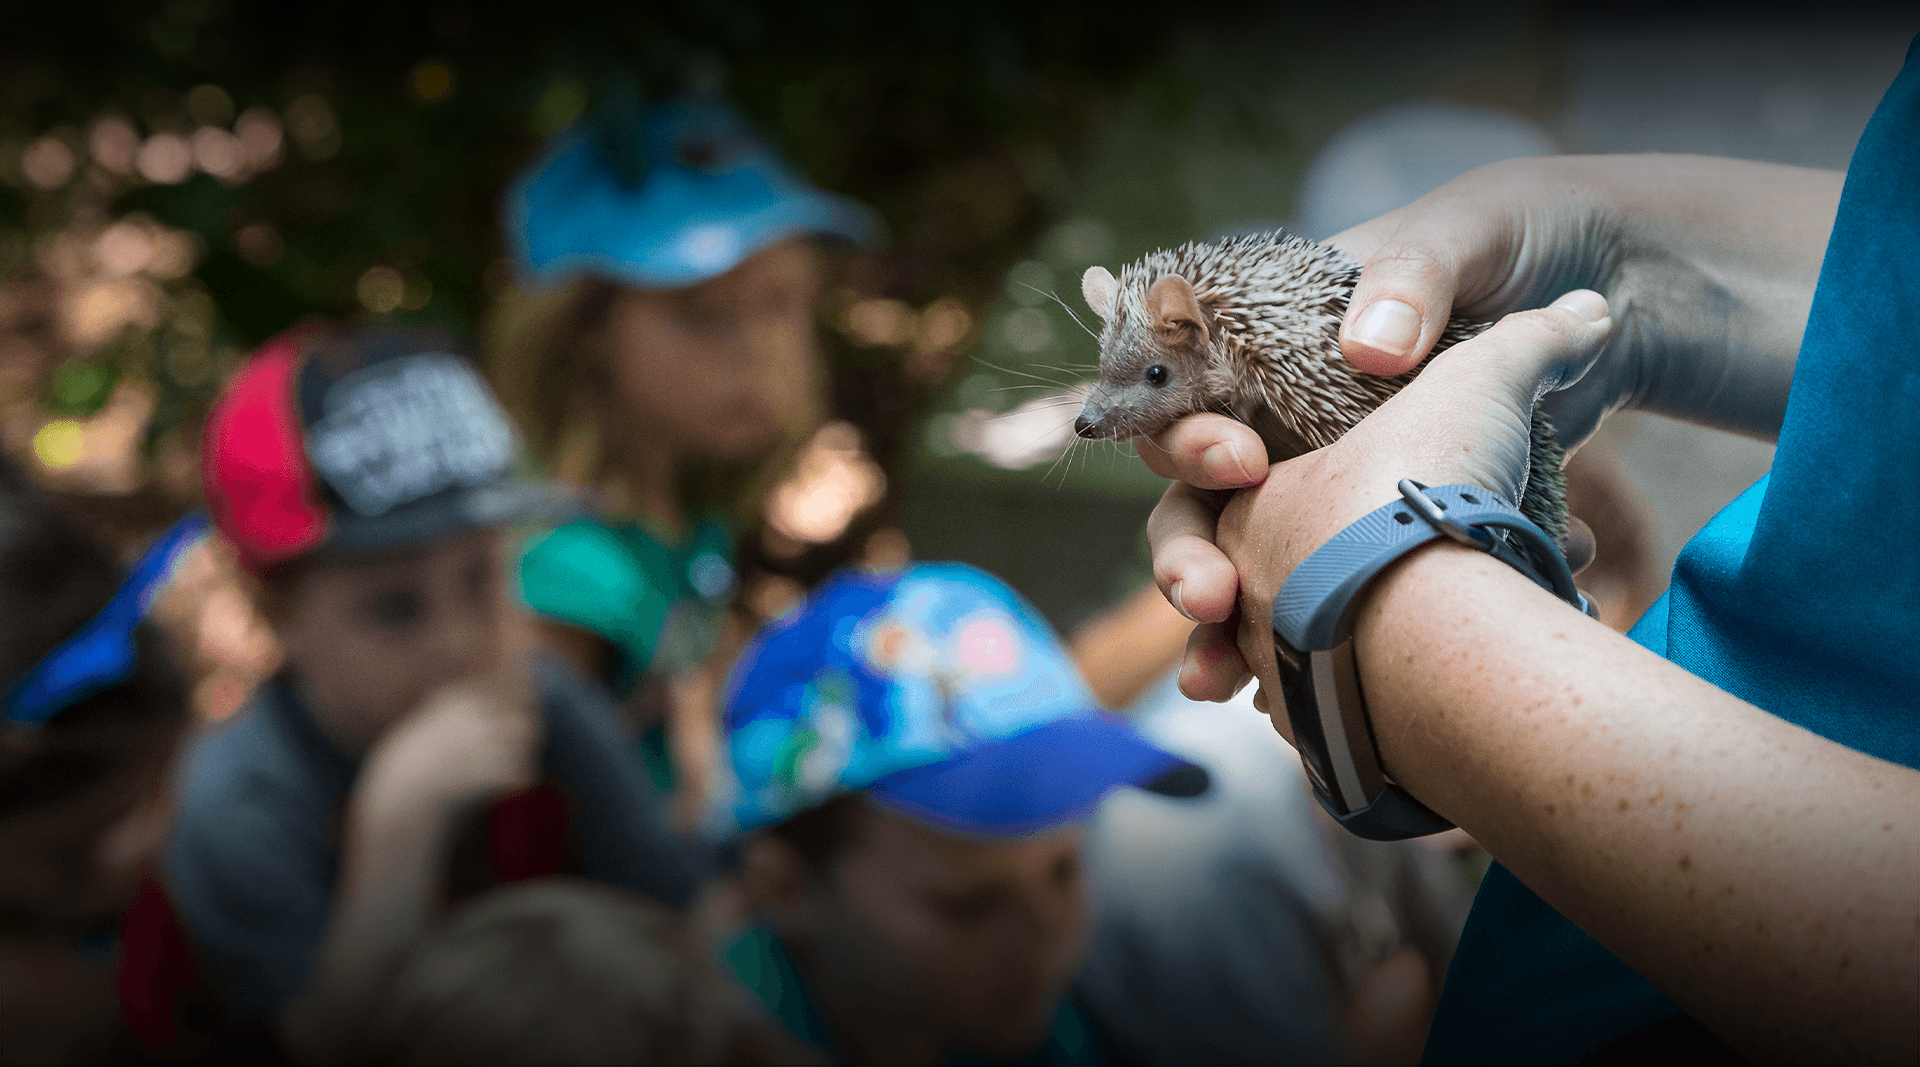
pixel 658 604
pixel 762 964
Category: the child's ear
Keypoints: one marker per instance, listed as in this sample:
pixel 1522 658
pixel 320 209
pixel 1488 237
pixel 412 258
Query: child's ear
pixel 1100 289
pixel 1172 304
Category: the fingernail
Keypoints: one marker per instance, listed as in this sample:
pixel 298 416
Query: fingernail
pixel 1388 326
pixel 1187 677
pixel 1173 594
pixel 1222 463
pixel 1585 303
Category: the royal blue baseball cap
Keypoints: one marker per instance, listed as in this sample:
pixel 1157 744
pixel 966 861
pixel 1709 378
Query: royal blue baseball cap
pixel 663 197
pixel 938 693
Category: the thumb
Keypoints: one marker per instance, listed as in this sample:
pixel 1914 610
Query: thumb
pixel 1412 277
pixel 1528 353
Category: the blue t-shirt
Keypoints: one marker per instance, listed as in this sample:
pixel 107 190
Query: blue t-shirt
pixel 1801 597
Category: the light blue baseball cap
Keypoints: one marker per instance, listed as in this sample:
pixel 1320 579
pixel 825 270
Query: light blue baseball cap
pixel 664 197
pixel 938 693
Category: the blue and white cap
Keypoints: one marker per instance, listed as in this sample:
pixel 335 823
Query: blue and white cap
pixel 663 199
pixel 941 695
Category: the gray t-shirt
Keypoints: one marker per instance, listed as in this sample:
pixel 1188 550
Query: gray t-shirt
pixel 253 858
pixel 1231 927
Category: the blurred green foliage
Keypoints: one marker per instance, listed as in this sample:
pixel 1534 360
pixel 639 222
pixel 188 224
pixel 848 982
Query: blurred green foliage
pixel 1039 135
pixel 402 123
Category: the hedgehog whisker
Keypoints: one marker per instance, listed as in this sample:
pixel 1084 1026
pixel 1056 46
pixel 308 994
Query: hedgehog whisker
pixel 1055 297
pixel 1050 407
pixel 1022 385
pixel 1023 374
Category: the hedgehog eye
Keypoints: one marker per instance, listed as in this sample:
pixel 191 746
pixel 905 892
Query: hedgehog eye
pixel 1156 375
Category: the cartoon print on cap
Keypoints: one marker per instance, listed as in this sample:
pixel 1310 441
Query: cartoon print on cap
pixel 987 646
pixel 822 746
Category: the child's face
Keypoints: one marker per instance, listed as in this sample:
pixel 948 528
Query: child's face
pixel 977 940
pixel 713 371
pixel 372 639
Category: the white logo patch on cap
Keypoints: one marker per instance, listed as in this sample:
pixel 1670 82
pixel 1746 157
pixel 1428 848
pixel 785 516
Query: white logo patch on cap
pixel 402 431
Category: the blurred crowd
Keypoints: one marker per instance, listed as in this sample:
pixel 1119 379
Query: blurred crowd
pixel 460 721
pixel 494 760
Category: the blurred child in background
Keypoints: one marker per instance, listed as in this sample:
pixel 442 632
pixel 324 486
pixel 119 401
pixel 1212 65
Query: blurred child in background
pixel 94 711
pixel 916 755
pixel 662 353
pixel 561 971
pixel 364 478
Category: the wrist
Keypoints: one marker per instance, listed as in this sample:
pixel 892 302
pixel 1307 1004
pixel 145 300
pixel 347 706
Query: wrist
pixel 400 803
pixel 1316 647
pixel 1418 631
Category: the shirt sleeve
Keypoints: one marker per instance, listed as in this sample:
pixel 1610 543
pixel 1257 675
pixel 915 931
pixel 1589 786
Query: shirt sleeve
pixel 619 823
pixel 250 873
pixel 581 574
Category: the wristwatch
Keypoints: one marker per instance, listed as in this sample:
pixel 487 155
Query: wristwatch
pixel 1313 640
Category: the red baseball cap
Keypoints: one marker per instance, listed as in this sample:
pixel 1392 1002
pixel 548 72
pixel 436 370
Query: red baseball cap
pixel 360 440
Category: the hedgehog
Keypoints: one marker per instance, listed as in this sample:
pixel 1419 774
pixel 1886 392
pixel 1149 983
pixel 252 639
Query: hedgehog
pixel 1249 327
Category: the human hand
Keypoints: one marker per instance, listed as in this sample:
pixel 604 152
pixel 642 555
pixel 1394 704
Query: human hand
pixel 468 741
pixel 1220 557
pixel 1709 265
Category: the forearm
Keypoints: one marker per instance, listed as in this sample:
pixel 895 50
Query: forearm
pixel 1713 265
pixel 1124 651
pixel 1765 877
pixel 392 862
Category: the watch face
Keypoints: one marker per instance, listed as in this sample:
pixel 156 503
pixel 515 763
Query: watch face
pixel 1296 688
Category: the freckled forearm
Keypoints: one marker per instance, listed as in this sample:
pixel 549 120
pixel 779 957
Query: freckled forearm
pixel 1767 878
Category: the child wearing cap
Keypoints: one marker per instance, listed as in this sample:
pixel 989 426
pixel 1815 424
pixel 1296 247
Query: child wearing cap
pixel 364 477
pixel 915 755
pixel 661 350
pixel 91 712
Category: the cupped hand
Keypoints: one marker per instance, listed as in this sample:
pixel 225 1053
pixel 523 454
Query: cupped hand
pixel 467 742
pixel 1219 555
pixel 1503 238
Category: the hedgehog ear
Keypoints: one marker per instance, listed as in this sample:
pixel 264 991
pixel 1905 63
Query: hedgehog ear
pixel 1172 304
pixel 1100 289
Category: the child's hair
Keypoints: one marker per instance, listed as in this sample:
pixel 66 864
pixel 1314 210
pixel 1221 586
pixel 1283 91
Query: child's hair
pixel 67 782
pixel 563 971
pixel 542 368
pixel 547 357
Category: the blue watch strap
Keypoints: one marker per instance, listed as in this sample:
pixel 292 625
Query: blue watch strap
pixel 1310 609
pixel 1312 627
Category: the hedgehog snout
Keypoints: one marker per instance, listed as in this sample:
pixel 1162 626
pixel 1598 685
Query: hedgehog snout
pixel 1095 421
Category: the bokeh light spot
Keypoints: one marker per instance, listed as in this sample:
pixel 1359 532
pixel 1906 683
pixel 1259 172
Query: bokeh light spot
pixel 563 102
pixel 210 105
pixel 47 163
pixel 218 153
pixel 381 290
pixel 878 322
pixel 59 445
pixel 113 143
pixel 1028 330
pixel 260 138
pixel 834 481
pixel 166 159
pixel 123 248
pixel 432 80
pixel 310 120
pixel 1029 283
pixel 259 244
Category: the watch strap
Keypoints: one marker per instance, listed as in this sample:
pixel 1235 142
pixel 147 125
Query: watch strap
pixel 1312 623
